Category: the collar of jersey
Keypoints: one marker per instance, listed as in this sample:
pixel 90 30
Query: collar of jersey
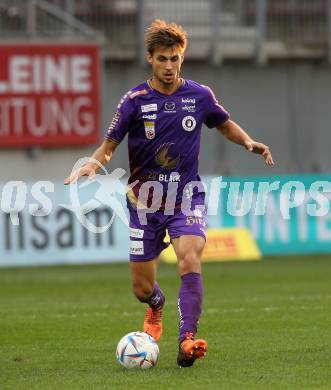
pixel 163 94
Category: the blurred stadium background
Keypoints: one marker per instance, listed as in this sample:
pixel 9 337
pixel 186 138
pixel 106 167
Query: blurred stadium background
pixel 64 65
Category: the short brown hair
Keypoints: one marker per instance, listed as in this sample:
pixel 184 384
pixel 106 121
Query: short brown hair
pixel 163 34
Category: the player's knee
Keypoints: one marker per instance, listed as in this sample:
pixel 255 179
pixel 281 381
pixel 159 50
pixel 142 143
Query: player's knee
pixel 142 289
pixel 189 262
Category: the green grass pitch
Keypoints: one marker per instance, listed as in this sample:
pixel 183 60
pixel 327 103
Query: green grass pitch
pixel 268 325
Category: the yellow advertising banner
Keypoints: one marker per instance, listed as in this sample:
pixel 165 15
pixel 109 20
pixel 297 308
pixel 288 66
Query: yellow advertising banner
pixel 230 244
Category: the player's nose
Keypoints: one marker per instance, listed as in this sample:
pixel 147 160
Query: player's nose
pixel 168 65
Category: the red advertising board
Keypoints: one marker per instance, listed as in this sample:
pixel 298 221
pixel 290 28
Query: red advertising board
pixel 49 95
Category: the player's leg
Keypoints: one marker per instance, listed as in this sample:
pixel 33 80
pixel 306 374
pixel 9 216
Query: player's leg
pixel 143 276
pixel 189 249
pixel 144 284
pixel 146 243
pixel 146 289
pixel 187 233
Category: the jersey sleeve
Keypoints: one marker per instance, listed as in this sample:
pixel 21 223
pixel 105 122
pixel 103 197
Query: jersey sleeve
pixel 120 124
pixel 215 113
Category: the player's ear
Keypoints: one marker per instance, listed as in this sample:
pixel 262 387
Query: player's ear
pixel 149 57
pixel 182 57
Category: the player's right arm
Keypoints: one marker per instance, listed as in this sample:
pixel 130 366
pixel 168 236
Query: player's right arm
pixel 102 155
pixel 117 130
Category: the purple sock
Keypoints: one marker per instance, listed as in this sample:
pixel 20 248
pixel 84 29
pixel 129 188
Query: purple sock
pixel 189 304
pixel 157 298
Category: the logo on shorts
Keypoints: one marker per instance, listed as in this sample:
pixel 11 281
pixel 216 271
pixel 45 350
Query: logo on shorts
pixel 189 123
pixel 136 233
pixel 190 221
pixel 149 129
pixel 136 247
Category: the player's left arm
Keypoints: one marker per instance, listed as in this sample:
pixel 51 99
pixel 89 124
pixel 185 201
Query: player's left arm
pixel 233 132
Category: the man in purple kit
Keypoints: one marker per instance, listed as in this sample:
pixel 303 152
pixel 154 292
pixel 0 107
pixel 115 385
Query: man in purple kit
pixel 163 118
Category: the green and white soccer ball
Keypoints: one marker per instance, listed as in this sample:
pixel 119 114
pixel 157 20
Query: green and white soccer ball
pixel 137 350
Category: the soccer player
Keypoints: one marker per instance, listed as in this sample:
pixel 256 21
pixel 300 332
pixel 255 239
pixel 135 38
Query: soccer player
pixel 163 118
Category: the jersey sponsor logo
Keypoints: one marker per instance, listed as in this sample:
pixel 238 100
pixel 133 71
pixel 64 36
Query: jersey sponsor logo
pixel 189 104
pixel 163 159
pixel 170 107
pixel 149 129
pixel 150 116
pixel 188 108
pixel 174 177
pixel 136 247
pixel 189 123
pixel 166 178
pixel 136 233
pixel 137 93
pixel 149 107
pixel 188 100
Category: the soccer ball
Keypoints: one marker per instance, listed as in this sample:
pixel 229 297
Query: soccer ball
pixel 137 350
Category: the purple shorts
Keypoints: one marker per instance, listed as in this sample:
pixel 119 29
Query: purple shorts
pixel 147 240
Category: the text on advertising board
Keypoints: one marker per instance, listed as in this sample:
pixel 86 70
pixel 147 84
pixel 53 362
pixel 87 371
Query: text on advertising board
pixel 49 95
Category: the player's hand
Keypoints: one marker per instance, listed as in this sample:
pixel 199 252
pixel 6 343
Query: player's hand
pixel 86 170
pixel 259 148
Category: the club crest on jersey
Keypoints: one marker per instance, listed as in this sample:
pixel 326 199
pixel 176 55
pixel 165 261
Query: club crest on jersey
pixel 149 129
pixel 189 123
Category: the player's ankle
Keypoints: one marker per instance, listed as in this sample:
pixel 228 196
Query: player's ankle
pixel 186 336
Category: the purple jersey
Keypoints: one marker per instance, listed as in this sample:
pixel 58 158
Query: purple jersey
pixel 164 132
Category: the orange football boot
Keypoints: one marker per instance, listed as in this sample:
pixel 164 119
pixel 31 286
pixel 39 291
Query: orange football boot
pixel 190 350
pixel 153 322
